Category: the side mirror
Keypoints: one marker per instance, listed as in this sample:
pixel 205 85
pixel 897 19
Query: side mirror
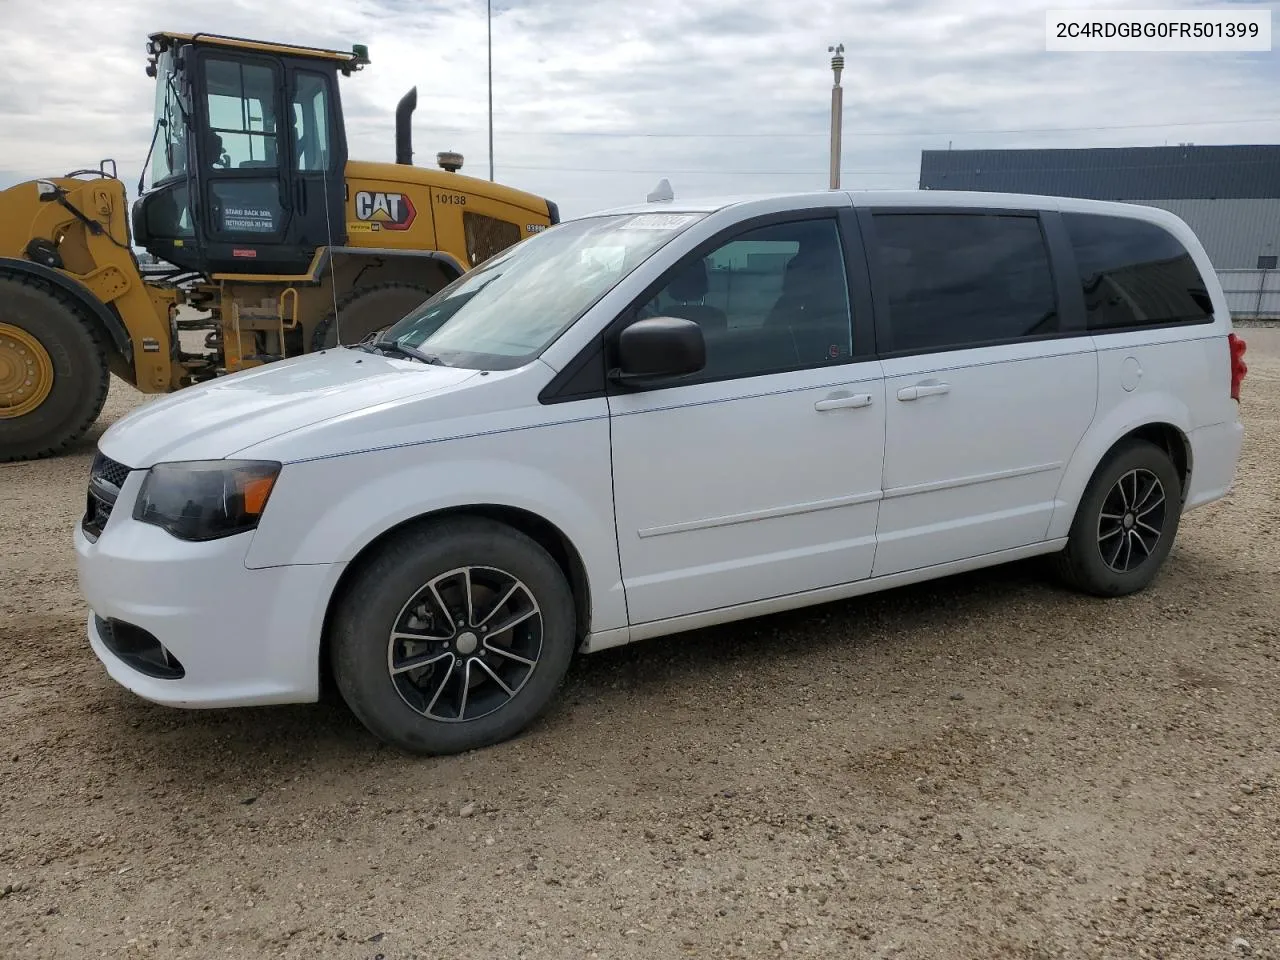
pixel 655 350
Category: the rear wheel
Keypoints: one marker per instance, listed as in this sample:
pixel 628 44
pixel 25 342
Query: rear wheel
pixel 53 371
pixel 366 310
pixel 1126 522
pixel 456 635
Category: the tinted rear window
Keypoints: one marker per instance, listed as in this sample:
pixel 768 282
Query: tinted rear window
pixel 1135 274
pixel 962 279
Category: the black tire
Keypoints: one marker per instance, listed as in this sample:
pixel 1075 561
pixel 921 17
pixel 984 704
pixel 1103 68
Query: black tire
pixel 1087 563
pixel 78 352
pixel 366 309
pixel 390 591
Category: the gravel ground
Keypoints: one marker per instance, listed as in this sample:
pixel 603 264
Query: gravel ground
pixel 982 767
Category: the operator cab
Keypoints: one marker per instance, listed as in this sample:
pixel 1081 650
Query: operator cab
pixel 249 137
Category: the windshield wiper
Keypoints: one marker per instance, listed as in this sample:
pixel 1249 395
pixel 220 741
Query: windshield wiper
pixel 395 346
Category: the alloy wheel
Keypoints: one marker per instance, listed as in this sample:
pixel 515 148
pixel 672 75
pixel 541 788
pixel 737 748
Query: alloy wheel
pixel 1132 520
pixel 465 644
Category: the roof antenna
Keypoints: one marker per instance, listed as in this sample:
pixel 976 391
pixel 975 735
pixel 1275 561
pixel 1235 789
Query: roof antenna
pixel 662 192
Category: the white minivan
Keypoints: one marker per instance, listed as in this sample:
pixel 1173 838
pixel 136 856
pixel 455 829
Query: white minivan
pixel 656 419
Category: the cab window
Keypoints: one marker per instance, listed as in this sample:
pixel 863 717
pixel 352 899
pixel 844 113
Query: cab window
pixel 242 121
pixel 311 123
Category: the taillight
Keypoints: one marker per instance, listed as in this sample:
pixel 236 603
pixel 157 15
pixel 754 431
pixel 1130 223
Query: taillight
pixel 1238 366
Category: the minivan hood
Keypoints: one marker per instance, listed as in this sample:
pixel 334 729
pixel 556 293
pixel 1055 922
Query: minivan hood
pixel 215 419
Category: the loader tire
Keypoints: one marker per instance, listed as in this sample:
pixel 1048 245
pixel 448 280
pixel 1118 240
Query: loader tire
pixel 54 374
pixel 365 310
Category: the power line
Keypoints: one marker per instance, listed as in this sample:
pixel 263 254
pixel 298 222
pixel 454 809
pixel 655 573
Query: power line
pixel 605 134
pixel 913 171
pixel 669 171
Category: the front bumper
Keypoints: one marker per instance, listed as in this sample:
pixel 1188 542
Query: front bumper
pixel 243 637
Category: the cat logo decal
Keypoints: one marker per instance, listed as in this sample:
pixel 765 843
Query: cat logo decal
pixel 385 211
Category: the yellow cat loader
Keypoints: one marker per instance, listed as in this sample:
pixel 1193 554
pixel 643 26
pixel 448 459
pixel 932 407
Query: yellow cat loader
pixel 263 239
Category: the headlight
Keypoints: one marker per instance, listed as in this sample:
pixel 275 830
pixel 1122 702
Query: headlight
pixel 206 499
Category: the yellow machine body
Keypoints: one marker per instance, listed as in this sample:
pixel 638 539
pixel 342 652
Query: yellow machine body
pixel 78 299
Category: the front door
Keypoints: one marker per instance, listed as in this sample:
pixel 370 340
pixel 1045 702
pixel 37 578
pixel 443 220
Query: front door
pixel 760 477
pixel 243 161
pixel 988 389
pixel 272 160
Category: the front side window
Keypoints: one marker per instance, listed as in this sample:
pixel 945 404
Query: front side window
pixel 311 123
pixel 1135 274
pixel 168 212
pixel 169 156
pixel 487 236
pixel 505 312
pixel 959 280
pixel 242 118
pixel 772 299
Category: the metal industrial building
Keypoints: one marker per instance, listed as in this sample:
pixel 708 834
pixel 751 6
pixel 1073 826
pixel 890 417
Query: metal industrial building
pixel 1229 195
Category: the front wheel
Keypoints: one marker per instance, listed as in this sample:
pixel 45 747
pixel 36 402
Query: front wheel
pixel 1126 522
pixel 455 636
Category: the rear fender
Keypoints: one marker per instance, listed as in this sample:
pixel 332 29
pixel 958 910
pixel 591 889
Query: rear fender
pixel 1152 408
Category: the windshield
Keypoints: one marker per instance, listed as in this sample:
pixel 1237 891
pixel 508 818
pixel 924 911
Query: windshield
pixel 169 157
pixel 509 309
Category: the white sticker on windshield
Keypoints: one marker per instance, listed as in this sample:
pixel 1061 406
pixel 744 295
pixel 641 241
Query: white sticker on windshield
pixel 658 221
pixel 608 258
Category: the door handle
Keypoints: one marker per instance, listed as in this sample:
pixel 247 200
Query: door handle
pixel 844 403
pixel 924 390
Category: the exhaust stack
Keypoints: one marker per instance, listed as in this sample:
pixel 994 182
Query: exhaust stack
pixel 404 127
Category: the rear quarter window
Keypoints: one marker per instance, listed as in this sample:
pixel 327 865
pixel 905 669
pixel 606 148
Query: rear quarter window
pixel 1135 274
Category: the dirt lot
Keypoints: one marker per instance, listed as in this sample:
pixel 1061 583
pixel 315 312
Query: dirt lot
pixel 983 767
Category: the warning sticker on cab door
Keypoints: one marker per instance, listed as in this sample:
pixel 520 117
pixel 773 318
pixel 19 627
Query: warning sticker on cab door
pixel 658 221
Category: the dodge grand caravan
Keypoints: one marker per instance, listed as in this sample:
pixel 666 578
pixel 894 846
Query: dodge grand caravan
pixel 655 419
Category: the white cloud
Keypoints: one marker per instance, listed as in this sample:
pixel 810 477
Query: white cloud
pixel 920 74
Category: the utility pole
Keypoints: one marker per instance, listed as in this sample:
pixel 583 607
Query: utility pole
pixel 489 22
pixel 837 112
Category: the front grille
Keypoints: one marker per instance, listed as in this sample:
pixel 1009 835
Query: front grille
pixel 106 477
pixel 97 512
pixel 107 469
pixel 139 649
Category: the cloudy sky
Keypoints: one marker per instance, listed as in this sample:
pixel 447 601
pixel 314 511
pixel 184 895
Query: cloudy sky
pixel 594 101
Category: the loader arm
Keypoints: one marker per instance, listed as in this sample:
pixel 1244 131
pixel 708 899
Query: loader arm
pixel 78 229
